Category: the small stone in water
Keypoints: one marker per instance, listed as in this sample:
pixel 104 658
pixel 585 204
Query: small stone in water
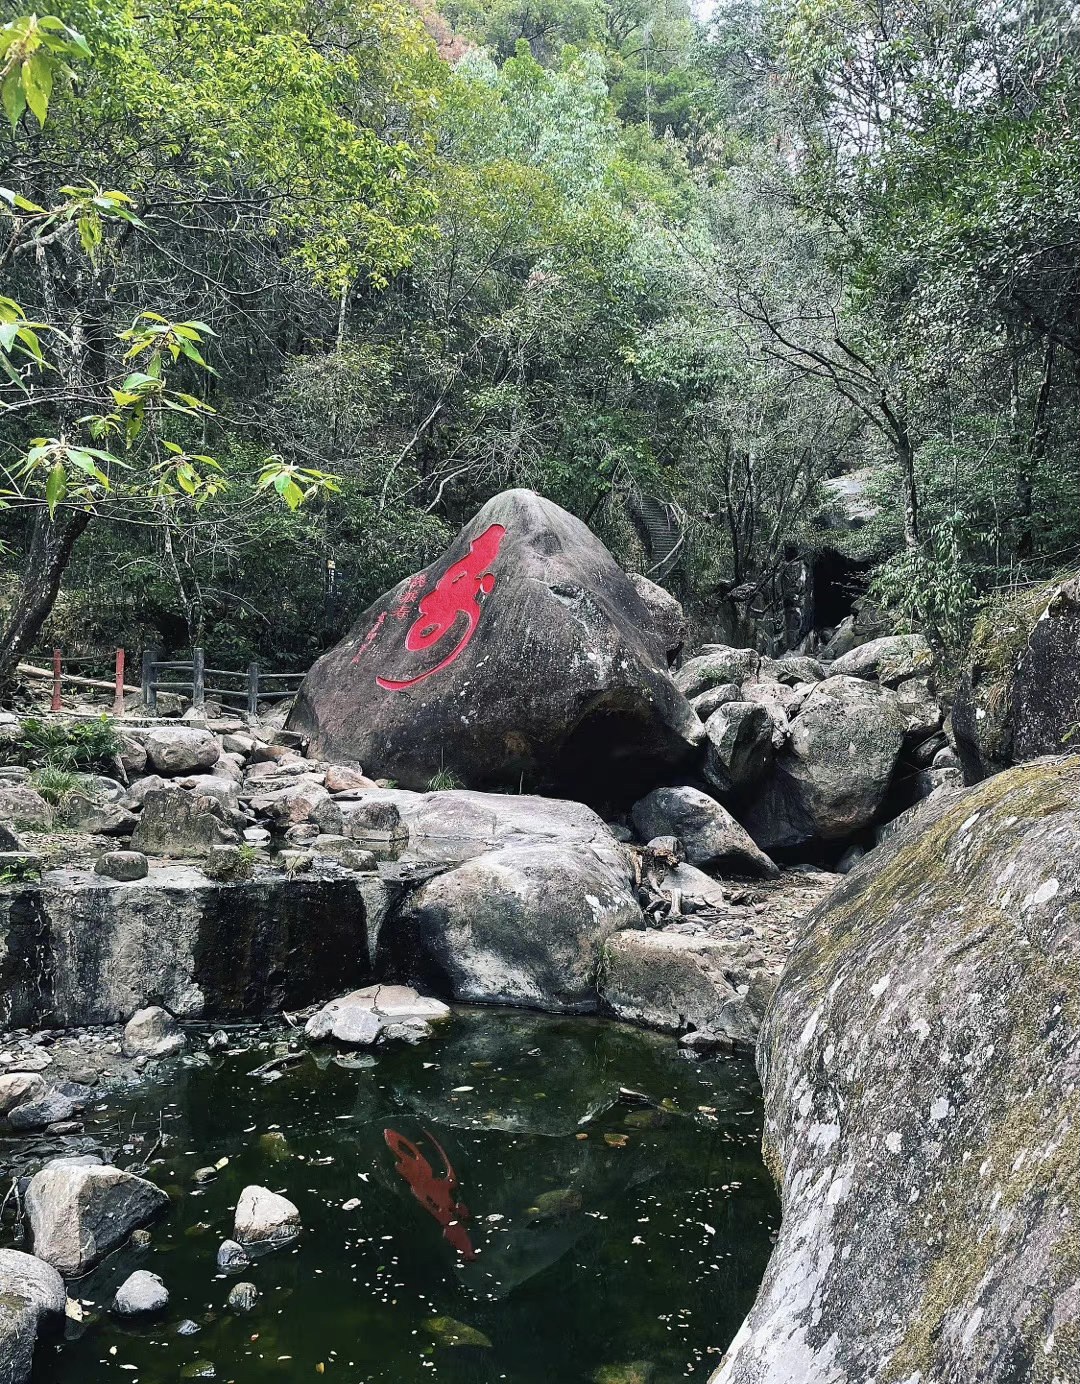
pixel 188 1328
pixel 140 1238
pixel 351 1204
pixel 243 1297
pixel 232 1256
pixel 202 1175
pixel 449 1332
pixel 199 1369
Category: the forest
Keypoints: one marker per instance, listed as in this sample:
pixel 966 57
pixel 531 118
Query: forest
pixel 291 287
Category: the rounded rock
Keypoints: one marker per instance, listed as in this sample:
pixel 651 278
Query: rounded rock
pixel 243 1297
pixel 122 865
pixel 143 1292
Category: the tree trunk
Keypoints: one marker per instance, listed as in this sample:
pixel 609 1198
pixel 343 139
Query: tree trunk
pixel 50 552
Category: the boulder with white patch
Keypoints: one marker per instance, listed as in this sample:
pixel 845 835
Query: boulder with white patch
pixel 921 1065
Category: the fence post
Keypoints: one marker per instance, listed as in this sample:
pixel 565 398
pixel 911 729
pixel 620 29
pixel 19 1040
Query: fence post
pixel 198 679
pixel 253 689
pixel 149 693
pixel 57 674
pixel 118 695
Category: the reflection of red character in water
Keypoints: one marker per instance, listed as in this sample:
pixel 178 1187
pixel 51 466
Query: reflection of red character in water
pixel 436 1194
pixel 457 593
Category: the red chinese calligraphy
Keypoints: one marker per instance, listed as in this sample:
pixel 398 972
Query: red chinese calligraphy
pixel 456 596
pixel 438 1195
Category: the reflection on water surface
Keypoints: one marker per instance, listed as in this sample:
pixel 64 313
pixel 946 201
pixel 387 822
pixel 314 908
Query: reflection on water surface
pixel 486 1206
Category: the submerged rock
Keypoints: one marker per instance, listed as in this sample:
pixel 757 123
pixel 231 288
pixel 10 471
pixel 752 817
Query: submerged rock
pixel 376 1013
pixel 153 1032
pixel 921 1063
pixel 32 1296
pixel 79 1211
pixel 140 1294
pixel 450 1332
pixel 529 619
pixel 265 1218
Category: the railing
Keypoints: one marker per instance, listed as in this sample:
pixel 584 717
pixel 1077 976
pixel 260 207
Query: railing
pixel 251 692
pixel 58 676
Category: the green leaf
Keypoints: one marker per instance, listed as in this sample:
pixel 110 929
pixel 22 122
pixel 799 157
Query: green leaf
pixel 37 76
pixel 14 100
pixel 55 488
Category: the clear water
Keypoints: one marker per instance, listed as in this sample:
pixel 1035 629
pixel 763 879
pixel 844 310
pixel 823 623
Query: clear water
pixel 611 1242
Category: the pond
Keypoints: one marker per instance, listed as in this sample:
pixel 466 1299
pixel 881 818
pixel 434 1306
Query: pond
pixel 587 1236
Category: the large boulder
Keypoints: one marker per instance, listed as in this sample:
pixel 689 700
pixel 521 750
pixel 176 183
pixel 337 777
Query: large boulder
pixel 79 1211
pixel 715 666
pixel 523 657
pixel 921 1064
pixel 740 752
pixel 153 1032
pixel 180 824
pixel 709 833
pixel 831 778
pixel 174 750
pixel 890 660
pixel 31 1296
pixel 523 924
pixel 1018 694
pixel 667 614
pixel 24 806
pixel 712 987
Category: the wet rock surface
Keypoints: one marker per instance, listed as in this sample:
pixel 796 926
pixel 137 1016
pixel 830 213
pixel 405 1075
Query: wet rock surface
pixel 78 1211
pixel 921 1060
pixel 32 1298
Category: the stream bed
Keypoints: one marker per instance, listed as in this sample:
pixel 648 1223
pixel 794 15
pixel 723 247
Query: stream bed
pixel 484 1206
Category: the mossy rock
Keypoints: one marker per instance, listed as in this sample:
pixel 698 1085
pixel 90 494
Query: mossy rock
pixel 921 1065
pixel 450 1332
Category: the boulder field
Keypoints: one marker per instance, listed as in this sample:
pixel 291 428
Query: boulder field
pixel 921 1066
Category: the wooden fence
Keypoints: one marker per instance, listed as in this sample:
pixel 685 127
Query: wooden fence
pixel 191 679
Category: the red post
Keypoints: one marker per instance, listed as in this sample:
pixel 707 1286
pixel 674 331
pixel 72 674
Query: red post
pixel 56 675
pixel 118 698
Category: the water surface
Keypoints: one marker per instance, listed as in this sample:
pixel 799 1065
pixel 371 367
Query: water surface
pixel 581 1239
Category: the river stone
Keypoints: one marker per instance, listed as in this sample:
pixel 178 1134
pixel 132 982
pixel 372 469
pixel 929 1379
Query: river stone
pixel 921 1065
pixel 153 1032
pixel 177 823
pixel 708 831
pixel 523 657
pixel 16 1088
pixel 795 668
pixel 24 806
pixel 81 812
pixel 520 925
pixel 719 665
pixel 176 750
pixel 830 780
pixel 31 1296
pixel 152 783
pixel 708 702
pixel 228 864
pixel 224 789
pixel 48 1107
pixel 666 614
pixel 139 1294
pixel 715 988
pixel 231 1257
pixel 78 1212
pixel 243 1297
pixel 890 660
pixel 740 752
pixel 377 1012
pixel 265 1218
pixel 122 865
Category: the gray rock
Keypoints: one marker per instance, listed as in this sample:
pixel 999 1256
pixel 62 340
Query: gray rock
pixel 708 831
pixel 222 788
pixel 666 615
pixel 140 1293
pixel 719 665
pixel 796 668
pixel 23 806
pixel 740 752
pixel 708 702
pixel 519 925
pixel 32 1297
pixel 831 778
pixel 265 1218
pixel 122 865
pixel 153 1032
pixel 946 758
pixel 51 1106
pixel 176 750
pixel 714 987
pixel 377 1011
pixel 81 812
pixel 363 862
pixel 693 887
pixel 561 659
pixel 921 1062
pixel 297 802
pixel 232 1257
pixel 16 1088
pixel 152 783
pixel 79 1212
pixel 243 1297
pixel 890 660
pixel 302 834
pixel 920 710
pixel 177 823
pixel 132 756
pixel 10 840
pixel 228 864
pixel 850 859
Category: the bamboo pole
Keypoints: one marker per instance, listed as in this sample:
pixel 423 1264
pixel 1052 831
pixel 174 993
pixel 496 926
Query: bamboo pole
pixel 28 670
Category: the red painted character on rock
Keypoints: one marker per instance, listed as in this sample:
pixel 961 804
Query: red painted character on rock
pixel 457 594
pixel 436 1194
